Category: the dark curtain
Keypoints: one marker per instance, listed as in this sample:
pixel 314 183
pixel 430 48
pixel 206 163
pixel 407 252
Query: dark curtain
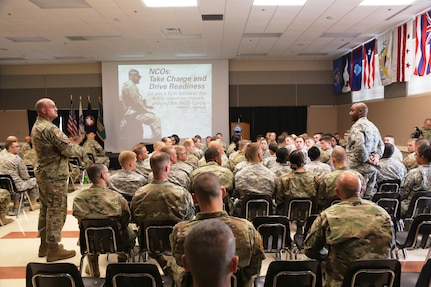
pixel 278 119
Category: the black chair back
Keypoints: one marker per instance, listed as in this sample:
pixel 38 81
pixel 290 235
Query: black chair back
pixel 390 201
pixel 154 236
pixel 390 185
pixel 53 275
pixel 424 278
pixel 91 157
pixel 302 273
pixel 133 274
pixel 420 203
pixel 373 273
pixel 256 204
pixel 6 182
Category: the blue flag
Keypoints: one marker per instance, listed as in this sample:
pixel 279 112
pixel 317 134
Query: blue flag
pixel 346 60
pixel 356 75
pixel 100 126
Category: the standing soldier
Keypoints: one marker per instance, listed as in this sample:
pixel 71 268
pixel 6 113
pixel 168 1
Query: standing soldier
pixel 53 150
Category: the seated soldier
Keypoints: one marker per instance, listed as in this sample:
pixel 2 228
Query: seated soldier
pixel 388 167
pixel 100 202
pixel 93 147
pixel 4 206
pixel 127 181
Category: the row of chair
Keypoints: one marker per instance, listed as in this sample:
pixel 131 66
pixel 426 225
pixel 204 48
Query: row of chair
pixel 305 273
pixel 6 182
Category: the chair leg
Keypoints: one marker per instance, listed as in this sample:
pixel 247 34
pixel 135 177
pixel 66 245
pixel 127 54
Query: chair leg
pixel 29 200
pixel 21 197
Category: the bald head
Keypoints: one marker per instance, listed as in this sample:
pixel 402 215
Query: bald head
pixel 357 111
pixel 12 139
pixel 46 109
pixel 348 185
pixel 338 156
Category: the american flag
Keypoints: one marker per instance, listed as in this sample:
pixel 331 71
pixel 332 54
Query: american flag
pixel 71 121
pixel 369 63
pixel 423 43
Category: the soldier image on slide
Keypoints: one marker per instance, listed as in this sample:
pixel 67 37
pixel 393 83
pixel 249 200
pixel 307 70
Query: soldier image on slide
pixel 136 110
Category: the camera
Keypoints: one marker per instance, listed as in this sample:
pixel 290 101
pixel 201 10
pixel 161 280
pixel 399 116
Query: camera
pixel 417 133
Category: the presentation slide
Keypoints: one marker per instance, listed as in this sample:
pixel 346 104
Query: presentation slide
pixel 144 102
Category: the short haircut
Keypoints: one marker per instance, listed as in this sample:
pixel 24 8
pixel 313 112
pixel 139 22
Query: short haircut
pixel 206 186
pixel 180 149
pixel 313 153
pixel 159 160
pixel 133 72
pixel 209 248
pixel 282 155
pixel 188 143
pixel 94 171
pixel 170 150
pixel 339 154
pixel 210 154
pixel 8 144
pixel 297 158
pixel 281 139
pixel 388 151
pixel 425 151
pixel 326 138
pixel 252 151
pixel 137 149
pixel 273 147
pixel 125 157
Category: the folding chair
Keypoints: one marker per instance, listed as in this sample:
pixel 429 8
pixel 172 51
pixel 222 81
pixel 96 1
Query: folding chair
pixel 417 236
pixel 6 182
pixel 256 204
pixel 135 274
pixel 373 273
pixel 390 185
pixel 154 237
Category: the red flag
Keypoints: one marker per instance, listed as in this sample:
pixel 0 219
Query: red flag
pixel 72 127
pixel 403 53
pixel 369 63
pixel 423 43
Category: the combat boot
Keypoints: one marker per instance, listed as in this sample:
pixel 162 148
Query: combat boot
pixel 93 260
pixel 57 252
pixel 34 205
pixel 43 247
pixel 4 220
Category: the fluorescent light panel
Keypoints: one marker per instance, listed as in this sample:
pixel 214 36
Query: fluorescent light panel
pixel 385 2
pixel 170 3
pixel 279 2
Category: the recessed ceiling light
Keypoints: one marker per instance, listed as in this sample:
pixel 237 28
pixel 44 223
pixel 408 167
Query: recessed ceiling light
pixel 170 3
pixel 279 2
pixel 385 2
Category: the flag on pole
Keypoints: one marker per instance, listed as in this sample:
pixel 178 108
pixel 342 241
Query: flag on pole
pixel 423 43
pixel 369 63
pixel 100 126
pixel 356 75
pixel 384 49
pixel 71 121
pixel 403 56
pixel 346 59
pixel 90 118
pixel 81 120
pixel 338 75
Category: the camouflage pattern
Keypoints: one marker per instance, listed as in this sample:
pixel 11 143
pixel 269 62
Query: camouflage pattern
pixel 319 168
pixel 224 174
pixel 4 200
pixel 353 229
pixel 254 178
pixel 230 149
pixel 100 202
pixel 295 184
pixel 143 167
pixel 410 161
pixel 93 147
pixel 187 168
pixel 13 165
pixel 127 181
pixel 224 161
pixel 236 159
pixel 280 168
pixel 29 157
pixel 52 172
pixel 25 148
pixel 398 155
pixel 364 141
pixel 265 154
pixel 161 200
pixel 270 161
pixel 417 179
pixel 326 156
pixel 239 166
pixel 177 176
pixel 248 245
pixel 390 168
pixel 426 134
pixel 192 159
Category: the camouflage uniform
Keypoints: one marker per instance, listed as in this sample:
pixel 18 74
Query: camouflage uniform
pixel 295 184
pixel 162 200
pixel 176 176
pixel 236 159
pixel 270 161
pixel 390 168
pixel 426 134
pixel 224 174
pixel 52 172
pixel 280 168
pixel 184 166
pixel 364 141
pixel 224 161
pixel 353 229
pixel 13 165
pixel 254 178
pixel 143 167
pixel 127 181
pixel 248 245
pixel 192 160
pixel 326 155
pixel 417 179
pixel 230 149
pixel 319 168
pixel 410 161
pixel 93 147
pixel 25 148
pixel 29 157
pixel 4 200
pixel 100 202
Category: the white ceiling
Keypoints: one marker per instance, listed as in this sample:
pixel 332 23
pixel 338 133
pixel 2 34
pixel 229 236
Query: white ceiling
pixel 119 30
